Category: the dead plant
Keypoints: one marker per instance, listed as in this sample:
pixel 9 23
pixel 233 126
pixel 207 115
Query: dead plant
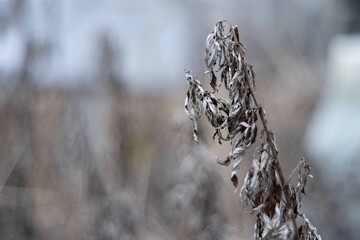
pixel 275 202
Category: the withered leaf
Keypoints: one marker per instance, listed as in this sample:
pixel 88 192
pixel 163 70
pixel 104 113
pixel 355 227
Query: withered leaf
pixel 277 193
pixel 213 82
pixel 234 179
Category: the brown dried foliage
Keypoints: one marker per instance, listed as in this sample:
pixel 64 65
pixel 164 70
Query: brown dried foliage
pixel 275 202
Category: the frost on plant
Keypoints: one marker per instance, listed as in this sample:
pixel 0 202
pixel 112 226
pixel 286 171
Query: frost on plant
pixel 236 119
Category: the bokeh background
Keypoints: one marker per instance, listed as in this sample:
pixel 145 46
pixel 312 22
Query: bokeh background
pixel 94 142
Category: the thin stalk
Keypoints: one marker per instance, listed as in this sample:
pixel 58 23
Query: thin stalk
pixel 270 138
pixel 296 168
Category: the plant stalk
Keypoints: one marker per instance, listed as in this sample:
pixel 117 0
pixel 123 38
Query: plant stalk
pixel 274 150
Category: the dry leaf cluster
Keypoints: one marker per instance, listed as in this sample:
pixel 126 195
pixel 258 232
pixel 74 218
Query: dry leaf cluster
pixel 275 202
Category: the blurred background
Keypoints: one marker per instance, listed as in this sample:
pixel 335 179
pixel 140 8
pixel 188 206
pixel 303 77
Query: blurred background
pixel 94 142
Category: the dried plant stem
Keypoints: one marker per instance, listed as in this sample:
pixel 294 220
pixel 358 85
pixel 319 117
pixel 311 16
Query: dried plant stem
pixel 274 151
pixel 271 141
pixel 302 161
pixel 274 201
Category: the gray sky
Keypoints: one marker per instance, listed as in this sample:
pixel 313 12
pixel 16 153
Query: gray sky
pixel 156 39
pixel 148 34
